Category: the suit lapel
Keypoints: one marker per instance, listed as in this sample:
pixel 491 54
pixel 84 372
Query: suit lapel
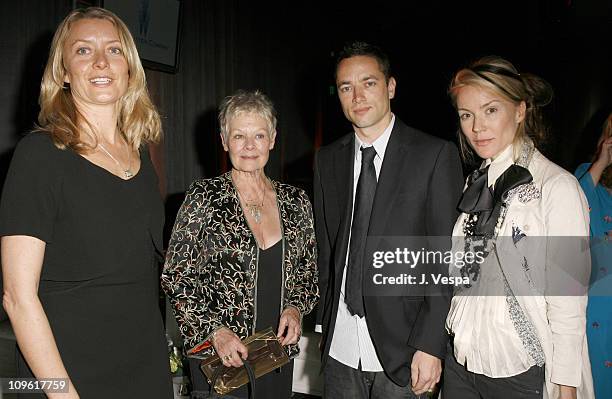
pixel 343 168
pixel 391 177
pixel 343 163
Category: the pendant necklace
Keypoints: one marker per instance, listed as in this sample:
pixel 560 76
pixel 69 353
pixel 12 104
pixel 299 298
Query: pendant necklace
pixel 254 208
pixel 127 173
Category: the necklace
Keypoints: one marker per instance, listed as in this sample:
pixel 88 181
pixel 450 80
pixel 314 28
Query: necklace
pixel 485 243
pixel 127 173
pixel 254 208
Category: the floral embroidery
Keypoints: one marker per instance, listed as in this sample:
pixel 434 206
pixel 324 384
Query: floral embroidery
pixel 526 192
pixel 211 262
pixel 524 328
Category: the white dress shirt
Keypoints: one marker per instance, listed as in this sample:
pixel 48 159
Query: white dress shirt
pixel 351 342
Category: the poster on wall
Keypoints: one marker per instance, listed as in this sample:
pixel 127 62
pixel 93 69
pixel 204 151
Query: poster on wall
pixel 154 24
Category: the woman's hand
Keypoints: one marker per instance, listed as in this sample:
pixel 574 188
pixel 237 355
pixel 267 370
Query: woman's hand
pixel 567 392
pixel 72 393
pixel 229 347
pixel 603 160
pixel 604 154
pixel 290 326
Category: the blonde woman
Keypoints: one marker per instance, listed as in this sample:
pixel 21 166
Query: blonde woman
pixel 81 221
pixel 516 335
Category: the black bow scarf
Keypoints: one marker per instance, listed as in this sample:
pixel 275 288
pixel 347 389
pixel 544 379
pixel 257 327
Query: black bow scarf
pixel 483 207
pixel 479 200
pixel 477 197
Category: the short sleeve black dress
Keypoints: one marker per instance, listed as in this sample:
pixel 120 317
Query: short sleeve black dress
pixel 99 280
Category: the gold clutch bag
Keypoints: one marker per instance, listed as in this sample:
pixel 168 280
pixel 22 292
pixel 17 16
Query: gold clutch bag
pixel 265 354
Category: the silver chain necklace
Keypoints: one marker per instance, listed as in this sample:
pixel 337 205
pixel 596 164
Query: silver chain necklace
pixel 254 208
pixel 127 173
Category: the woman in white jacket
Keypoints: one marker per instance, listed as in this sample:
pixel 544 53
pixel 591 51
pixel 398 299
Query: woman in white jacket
pixel 518 327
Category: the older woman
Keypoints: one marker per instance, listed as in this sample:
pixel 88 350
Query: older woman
pixel 516 335
pixel 242 255
pixel 81 220
pixel 596 180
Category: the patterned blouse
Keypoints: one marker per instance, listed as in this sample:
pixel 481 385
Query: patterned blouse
pixel 211 269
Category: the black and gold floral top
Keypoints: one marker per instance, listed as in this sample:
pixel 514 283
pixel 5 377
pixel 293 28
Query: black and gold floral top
pixel 211 269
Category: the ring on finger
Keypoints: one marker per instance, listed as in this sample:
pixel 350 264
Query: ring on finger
pixel 227 357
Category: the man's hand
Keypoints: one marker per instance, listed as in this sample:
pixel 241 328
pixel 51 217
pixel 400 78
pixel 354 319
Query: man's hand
pixel 425 372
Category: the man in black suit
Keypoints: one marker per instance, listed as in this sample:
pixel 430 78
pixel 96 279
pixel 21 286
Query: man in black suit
pixel 383 179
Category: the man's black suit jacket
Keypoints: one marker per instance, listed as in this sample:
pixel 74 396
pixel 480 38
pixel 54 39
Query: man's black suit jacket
pixel 417 193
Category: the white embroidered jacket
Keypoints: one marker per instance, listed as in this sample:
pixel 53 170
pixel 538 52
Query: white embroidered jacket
pixel 551 295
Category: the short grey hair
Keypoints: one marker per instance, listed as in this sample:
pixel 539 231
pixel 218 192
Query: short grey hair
pixel 246 102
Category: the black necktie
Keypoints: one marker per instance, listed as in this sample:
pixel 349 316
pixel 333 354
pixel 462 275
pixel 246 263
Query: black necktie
pixel 364 197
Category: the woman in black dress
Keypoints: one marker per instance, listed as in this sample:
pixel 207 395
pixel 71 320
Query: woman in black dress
pixel 81 221
pixel 242 256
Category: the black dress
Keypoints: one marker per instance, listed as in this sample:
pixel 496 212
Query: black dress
pixel 99 280
pixel 278 383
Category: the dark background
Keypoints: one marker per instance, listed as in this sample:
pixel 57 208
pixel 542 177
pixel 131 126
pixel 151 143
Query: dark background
pixel 286 49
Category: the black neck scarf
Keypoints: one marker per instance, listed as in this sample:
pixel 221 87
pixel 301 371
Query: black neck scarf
pixel 480 200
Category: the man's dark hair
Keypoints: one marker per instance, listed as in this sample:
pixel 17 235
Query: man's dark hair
pixel 356 48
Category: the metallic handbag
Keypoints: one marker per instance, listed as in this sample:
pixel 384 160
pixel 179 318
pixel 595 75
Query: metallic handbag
pixel 265 354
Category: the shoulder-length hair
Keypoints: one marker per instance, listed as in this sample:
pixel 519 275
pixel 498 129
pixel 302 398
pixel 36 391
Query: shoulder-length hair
pixel 501 76
pixel 138 119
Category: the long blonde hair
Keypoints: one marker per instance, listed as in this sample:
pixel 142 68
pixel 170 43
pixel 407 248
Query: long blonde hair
pixel 138 119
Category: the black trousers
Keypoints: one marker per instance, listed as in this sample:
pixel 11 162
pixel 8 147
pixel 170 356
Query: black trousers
pixel 459 383
pixel 344 382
